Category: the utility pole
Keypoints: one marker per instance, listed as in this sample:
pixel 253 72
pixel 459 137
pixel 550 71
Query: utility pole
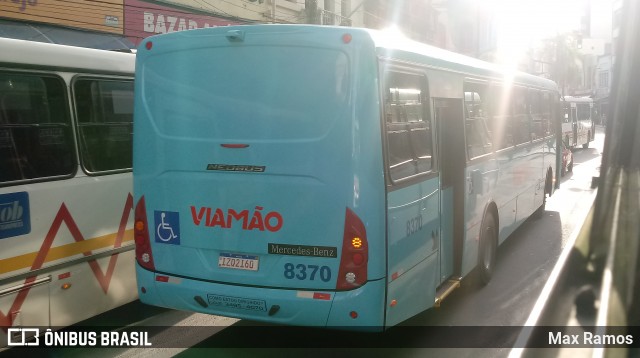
pixel 273 11
pixel 560 65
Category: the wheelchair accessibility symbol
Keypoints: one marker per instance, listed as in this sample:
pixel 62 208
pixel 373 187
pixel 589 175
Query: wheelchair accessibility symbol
pixel 167 227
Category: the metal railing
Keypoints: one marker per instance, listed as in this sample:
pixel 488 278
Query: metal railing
pixel 325 17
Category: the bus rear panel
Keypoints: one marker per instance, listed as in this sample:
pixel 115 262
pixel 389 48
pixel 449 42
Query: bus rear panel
pixel 254 198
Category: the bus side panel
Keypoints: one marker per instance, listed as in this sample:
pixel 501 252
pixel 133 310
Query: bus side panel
pixel 413 292
pixel 413 249
pixel 481 183
pixel 87 297
pixel 528 170
pixel 26 306
pixel 69 221
pixel 504 198
pixel 514 181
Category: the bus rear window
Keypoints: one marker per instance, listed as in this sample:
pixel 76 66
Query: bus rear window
pixel 251 92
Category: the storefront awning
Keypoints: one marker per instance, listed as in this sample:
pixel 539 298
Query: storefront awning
pixel 63 36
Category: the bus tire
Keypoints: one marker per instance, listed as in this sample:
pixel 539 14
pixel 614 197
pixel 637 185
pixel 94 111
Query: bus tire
pixel 547 191
pixel 586 145
pixel 488 250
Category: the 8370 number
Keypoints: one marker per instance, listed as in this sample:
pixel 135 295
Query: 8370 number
pixel 304 272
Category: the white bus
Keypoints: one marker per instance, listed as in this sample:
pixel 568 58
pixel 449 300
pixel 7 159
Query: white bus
pixel 578 125
pixel 65 184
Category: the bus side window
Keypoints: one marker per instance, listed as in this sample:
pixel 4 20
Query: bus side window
pixel 105 123
pixel 408 128
pixel 477 134
pixel 547 113
pixel 400 156
pixel 420 139
pixel 35 129
pixel 520 119
pixel 540 114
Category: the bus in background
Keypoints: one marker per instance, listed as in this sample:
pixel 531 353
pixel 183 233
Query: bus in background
pixel 66 243
pixel 328 176
pixel 578 127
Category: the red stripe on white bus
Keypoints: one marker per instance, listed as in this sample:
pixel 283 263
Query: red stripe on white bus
pixel 64 215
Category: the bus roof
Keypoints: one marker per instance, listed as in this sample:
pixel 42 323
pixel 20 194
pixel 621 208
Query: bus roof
pixel 395 46
pixel 43 55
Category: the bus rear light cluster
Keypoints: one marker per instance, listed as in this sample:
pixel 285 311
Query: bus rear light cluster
pixel 355 254
pixel 141 237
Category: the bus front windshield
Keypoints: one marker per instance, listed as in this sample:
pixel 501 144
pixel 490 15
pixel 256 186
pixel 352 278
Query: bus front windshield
pixel 584 112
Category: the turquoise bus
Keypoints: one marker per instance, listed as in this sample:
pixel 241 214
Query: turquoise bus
pixel 328 176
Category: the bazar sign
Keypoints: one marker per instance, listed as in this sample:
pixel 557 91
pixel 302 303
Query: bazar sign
pixel 160 25
pixel 158 19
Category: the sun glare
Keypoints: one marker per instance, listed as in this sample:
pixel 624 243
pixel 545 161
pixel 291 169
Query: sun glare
pixel 521 24
pixel 393 31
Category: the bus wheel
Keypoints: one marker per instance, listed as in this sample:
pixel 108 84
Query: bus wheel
pixel 586 145
pixel 488 249
pixel 547 190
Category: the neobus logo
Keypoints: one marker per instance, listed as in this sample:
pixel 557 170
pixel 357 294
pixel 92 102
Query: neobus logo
pixel 271 221
pixel 14 214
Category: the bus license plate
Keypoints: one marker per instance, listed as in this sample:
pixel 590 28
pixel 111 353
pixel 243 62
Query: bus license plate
pixel 240 262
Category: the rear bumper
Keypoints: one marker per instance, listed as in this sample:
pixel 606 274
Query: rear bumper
pixel 290 307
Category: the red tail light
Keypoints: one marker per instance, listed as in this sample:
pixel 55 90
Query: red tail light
pixel 355 254
pixel 141 236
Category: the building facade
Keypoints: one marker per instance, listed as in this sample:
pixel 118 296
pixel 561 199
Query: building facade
pixel 134 20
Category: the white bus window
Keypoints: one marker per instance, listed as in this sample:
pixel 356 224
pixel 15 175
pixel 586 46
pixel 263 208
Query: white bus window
pixel 35 130
pixel 540 114
pixel 584 111
pixel 407 125
pixel 547 113
pixel 105 123
pixel 520 119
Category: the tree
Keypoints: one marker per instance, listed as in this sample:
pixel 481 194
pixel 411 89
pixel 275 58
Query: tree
pixel 564 59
